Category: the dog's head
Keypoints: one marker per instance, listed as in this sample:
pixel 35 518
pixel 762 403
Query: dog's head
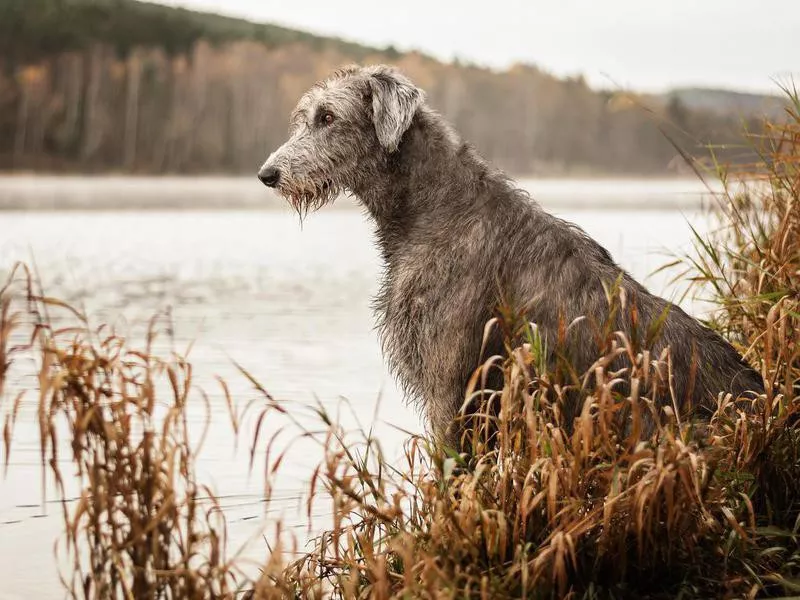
pixel 340 130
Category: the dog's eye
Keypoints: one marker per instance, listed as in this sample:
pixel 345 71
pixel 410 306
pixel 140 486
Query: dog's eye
pixel 326 118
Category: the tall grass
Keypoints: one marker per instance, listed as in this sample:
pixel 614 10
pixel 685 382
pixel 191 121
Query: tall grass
pixel 631 500
pixel 142 526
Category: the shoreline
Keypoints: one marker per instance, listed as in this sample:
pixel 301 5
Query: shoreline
pixel 113 192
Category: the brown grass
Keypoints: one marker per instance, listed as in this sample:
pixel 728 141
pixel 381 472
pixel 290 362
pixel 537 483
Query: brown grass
pixel 143 526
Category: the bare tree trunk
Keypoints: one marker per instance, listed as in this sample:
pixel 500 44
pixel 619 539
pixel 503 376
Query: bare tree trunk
pixel 90 133
pixel 74 96
pixel 22 123
pixel 132 110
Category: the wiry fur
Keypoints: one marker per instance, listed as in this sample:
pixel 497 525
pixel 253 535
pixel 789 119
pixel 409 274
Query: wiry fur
pixel 457 237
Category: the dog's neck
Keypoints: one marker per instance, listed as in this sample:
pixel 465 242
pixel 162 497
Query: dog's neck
pixel 422 183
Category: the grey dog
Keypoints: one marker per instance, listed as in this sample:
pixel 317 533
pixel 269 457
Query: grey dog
pixel 458 238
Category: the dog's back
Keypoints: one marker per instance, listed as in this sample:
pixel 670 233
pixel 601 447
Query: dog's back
pixel 567 275
pixel 446 279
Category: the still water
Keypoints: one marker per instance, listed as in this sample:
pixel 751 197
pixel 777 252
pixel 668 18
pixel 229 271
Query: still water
pixel 248 283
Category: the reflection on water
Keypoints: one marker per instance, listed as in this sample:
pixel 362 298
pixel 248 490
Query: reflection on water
pixel 291 304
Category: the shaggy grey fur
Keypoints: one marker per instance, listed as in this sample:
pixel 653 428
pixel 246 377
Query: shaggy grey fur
pixel 457 237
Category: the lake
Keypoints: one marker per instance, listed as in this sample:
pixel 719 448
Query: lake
pixel 236 274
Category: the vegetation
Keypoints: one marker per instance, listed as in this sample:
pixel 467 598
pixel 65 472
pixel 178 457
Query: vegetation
pixel 34 29
pixel 143 526
pixel 94 85
pixel 603 509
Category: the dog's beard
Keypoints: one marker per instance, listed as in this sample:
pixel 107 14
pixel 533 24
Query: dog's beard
pixel 309 195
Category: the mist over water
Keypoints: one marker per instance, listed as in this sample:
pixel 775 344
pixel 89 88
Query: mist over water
pixel 114 192
pixel 235 277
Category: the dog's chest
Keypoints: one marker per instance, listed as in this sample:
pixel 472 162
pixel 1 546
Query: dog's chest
pixel 420 311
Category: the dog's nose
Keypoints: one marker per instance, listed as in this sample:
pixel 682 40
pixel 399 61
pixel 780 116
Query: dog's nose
pixel 269 176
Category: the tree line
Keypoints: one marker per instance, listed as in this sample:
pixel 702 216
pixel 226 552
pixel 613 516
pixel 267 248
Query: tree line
pixel 219 100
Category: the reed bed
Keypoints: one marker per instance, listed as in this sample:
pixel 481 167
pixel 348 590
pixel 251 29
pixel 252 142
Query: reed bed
pixel 629 500
pixel 142 525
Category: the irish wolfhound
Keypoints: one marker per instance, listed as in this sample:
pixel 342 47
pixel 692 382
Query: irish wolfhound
pixel 457 237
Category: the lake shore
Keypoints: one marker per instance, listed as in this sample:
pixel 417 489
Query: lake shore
pixel 34 192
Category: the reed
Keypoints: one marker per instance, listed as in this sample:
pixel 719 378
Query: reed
pixel 142 526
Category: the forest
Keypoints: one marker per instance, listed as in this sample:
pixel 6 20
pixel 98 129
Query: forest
pixel 133 87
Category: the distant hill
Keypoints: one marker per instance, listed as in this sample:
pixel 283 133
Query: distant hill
pixel 729 102
pixel 130 86
pixel 30 29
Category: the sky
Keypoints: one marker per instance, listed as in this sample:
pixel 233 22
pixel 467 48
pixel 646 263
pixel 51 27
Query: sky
pixel 644 45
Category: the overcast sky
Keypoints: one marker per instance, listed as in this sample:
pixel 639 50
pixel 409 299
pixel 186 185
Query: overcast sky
pixel 647 45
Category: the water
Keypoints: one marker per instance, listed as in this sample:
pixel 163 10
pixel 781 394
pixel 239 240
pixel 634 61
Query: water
pixel 291 304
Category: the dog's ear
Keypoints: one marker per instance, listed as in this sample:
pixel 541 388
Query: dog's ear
pixel 394 101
